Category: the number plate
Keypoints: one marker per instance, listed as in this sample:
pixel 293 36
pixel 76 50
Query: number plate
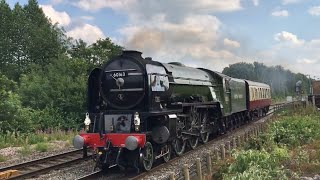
pixel 119 74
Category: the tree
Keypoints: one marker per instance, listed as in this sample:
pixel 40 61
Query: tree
pixel 282 81
pixel 58 90
pixel 28 38
pixel 97 53
pixel 241 70
pixel 5 34
pixel 11 112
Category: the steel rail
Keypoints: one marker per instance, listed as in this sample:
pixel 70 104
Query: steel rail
pixel 94 175
pixel 42 165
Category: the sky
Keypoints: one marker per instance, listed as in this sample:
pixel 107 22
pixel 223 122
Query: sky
pixel 200 33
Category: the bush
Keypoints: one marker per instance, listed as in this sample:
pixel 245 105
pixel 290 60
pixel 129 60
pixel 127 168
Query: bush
pixel 255 164
pixel 25 150
pixel 12 114
pixel 42 147
pixel 262 142
pixel 295 130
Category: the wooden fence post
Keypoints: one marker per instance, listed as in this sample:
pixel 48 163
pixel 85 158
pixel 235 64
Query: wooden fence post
pixel 199 170
pixel 186 172
pixel 217 154
pixel 172 176
pixel 234 143
pixel 247 136
pixel 223 151
pixel 228 144
pixel 209 164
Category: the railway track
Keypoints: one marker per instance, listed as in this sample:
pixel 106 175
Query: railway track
pixel 100 175
pixel 40 166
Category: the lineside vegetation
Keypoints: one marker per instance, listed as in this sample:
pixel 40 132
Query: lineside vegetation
pixel 289 149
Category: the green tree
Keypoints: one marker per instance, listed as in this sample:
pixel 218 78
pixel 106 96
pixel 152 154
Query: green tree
pixel 27 38
pixel 58 90
pixel 282 81
pixel 241 70
pixel 12 115
pixel 97 53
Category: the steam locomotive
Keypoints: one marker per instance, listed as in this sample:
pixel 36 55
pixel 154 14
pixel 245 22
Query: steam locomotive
pixel 141 111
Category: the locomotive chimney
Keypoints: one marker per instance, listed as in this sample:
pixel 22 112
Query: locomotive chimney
pixel 132 53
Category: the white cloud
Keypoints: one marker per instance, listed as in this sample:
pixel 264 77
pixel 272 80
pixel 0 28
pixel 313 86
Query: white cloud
pixel 93 5
pixel 283 13
pixel 196 29
pixel 88 18
pixel 159 6
pixel 56 17
pixel 285 36
pixel 303 59
pixel 285 2
pixel 314 11
pixel 174 30
pixel 306 61
pixel 56 1
pixel 231 43
pixel 86 32
pixel 255 2
pixel 195 41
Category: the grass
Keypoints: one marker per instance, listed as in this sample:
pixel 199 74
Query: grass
pixel 2 158
pixel 42 147
pixel 37 141
pixel 15 139
pixel 25 150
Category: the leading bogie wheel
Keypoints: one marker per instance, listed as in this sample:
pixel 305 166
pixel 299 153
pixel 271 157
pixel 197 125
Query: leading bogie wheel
pixel 147 160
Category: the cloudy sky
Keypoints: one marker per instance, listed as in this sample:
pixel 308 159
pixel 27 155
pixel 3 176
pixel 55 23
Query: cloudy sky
pixel 200 33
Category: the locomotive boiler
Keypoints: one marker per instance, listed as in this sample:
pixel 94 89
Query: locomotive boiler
pixel 141 110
